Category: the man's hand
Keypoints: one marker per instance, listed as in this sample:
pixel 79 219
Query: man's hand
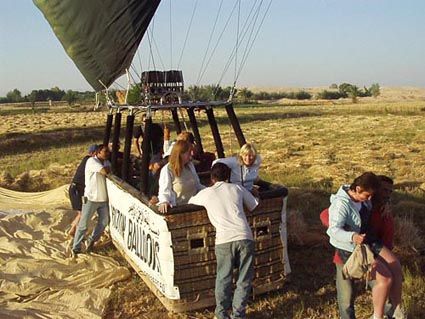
pixel 105 170
pixel 155 167
pixel 154 200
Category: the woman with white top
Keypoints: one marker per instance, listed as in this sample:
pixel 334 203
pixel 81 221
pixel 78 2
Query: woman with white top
pixel 244 167
pixel 178 180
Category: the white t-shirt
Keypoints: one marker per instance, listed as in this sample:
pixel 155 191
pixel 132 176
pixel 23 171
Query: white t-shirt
pixel 224 203
pixel 95 189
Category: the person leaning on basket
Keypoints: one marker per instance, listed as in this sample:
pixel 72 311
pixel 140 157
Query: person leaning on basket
pixel 178 180
pixel 95 199
pixel 234 242
pixel 349 221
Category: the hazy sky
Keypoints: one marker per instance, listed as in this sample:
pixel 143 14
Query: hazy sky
pixel 303 43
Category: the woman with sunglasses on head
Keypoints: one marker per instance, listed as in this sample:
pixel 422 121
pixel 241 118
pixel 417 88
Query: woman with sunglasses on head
pixel 178 180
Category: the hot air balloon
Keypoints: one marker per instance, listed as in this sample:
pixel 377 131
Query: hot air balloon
pixel 173 253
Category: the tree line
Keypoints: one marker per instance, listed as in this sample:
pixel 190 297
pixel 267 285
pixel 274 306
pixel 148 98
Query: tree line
pixel 53 94
pixel 197 93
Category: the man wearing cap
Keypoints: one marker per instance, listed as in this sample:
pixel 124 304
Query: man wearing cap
pixel 76 189
pixel 95 199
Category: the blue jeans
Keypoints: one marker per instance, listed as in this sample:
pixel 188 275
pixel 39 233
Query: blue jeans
pixel 346 293
pixel 87 213
pixel 236 254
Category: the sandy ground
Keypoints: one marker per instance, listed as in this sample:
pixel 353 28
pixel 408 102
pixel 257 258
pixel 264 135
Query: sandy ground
pixel 39 279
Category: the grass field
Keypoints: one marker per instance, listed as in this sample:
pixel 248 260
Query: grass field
pixel 310 147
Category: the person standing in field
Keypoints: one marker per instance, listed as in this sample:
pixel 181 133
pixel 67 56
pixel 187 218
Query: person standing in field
pixel 349 225
pixel 234 242
pixel 382 228
pixel 76 189
pixel 95 199
pixel 382 220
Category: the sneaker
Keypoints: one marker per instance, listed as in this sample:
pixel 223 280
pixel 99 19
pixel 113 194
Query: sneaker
pixel 90 248
pixel 399 313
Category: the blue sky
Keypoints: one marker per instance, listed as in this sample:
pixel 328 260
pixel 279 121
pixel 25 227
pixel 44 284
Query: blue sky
pixel 303 43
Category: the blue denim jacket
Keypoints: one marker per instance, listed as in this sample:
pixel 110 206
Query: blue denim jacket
pixel 344 219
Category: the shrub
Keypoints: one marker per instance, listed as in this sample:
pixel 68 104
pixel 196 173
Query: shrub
pixel 302 95
pixel 330 95
pixel 375 90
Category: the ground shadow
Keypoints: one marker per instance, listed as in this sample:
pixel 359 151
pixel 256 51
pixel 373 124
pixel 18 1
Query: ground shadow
pixel 15 143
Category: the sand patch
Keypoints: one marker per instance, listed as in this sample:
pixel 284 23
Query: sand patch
pixel 38 279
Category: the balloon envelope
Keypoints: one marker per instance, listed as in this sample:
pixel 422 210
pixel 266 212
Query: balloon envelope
pixel 100 36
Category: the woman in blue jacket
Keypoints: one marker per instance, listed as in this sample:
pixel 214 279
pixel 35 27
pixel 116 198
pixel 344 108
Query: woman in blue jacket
pixel 349 216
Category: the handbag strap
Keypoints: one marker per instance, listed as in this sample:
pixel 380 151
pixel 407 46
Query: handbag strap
pixel 242 182
pixel 365 263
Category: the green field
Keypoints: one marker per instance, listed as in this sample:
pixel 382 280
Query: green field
pixel 311 148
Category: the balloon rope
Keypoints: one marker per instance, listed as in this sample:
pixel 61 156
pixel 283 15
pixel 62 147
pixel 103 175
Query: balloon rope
pixel 184 121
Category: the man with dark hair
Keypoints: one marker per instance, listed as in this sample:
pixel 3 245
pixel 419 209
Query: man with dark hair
pixel 234 242
pixel 157 138
pixel 138 135
pixel 95 199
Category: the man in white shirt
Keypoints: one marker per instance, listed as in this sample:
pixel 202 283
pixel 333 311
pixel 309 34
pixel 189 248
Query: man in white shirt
pixel 234 243
pixel 95 199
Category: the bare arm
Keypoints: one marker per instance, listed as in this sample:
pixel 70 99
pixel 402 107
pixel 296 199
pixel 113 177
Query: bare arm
pixel 137 145
pixel 105 170
pixel 166 195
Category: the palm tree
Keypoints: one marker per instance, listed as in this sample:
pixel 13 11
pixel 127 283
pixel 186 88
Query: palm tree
pixel 353 92
pixel 245 95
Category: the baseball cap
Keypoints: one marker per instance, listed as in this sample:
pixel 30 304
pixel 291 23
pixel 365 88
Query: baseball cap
pixel 92 148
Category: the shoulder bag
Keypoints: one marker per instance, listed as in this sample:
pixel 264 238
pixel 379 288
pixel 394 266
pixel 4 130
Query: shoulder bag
pixel 359 264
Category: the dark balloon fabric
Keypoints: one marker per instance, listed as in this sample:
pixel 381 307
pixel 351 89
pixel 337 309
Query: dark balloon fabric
pixel 100 36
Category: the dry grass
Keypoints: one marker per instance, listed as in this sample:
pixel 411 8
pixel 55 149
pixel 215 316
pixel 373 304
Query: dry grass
pixel 310 147
pixel 407 234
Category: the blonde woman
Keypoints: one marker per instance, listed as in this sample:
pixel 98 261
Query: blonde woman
pixel 244 167
pixel 178 180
